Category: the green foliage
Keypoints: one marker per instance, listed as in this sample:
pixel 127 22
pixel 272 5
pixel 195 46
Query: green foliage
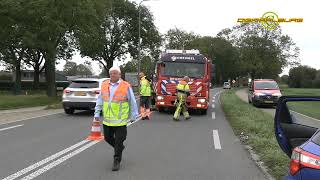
pixel 303 77
pixel 147 66
pixel 262 53
pixel 284 79
pixel 116 34
pixel 179 39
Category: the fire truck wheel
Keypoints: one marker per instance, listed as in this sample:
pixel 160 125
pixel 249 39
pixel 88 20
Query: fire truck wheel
pixel 161 109
pixel 203 111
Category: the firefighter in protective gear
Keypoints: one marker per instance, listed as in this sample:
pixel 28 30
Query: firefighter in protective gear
pixel 118 105
pixel 183 91
pixel 145 97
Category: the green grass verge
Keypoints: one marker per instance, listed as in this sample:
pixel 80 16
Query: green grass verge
pixel 300 91
pixel 307 108
pixel 55 106
pixel 23 101
pixel 258 126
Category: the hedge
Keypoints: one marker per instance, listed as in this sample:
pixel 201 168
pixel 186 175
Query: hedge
pixel 28 85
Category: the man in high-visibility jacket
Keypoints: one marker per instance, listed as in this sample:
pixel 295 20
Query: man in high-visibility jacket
pixel 118 105
pixel 145 97
pixel 183 91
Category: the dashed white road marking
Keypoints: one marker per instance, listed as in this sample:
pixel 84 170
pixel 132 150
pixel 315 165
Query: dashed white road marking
pixel 56 162
pixel 59 161
pixel 213 106
pixel 44 161
pixel 216 139
pixel 213 115
pixel 11 127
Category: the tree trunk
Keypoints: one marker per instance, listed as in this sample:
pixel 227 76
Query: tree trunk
pixel 50 74
pixel 36 76
pixel 17 84
pixel 109 65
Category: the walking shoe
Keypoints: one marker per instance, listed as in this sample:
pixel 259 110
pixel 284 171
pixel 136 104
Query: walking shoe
pixel 187 118
pixel 175 119
pixel 116 164
pixel 147 118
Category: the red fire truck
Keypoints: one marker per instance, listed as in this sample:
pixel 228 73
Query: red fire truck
pixel 171 68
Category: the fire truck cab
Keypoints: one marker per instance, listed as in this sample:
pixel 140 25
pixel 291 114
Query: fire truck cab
pixel 171 68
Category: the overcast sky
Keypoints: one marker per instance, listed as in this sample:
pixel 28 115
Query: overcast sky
pixel 208 17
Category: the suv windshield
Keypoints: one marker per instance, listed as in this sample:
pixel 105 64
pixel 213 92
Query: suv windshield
pixel 84 84
pixel 266 85
pixel 195 70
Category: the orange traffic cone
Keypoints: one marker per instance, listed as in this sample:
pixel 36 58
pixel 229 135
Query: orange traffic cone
pixel 95 134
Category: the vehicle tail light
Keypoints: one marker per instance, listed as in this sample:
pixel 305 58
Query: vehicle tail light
pixel 301 159
pixel 67 91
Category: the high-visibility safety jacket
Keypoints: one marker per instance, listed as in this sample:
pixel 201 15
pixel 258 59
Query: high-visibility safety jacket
pixel 145 89
pixel 115 113
pixel 183 89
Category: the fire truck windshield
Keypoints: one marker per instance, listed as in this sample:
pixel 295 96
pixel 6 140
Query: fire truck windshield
pixel 178 69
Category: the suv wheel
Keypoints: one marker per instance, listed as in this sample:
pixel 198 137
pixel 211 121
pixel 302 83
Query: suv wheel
pixel 69 111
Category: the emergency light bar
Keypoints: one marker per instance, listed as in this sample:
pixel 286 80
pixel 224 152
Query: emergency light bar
pixel 175 51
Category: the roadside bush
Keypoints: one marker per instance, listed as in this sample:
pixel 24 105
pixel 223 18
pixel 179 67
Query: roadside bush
pixel 28 85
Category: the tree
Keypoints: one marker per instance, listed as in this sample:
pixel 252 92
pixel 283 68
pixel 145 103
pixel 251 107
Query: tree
pixel 84 70
pixel 178 39
pixel 263 53
pixel 70 68
pixel 35 59
pixel 302 77
pixel 12 48
pixel 116 36
pixel 222 53
pixel 284 79
pixel 147 66
pixel 51 25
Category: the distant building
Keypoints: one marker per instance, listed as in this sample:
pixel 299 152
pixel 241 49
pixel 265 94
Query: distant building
pixel 28 75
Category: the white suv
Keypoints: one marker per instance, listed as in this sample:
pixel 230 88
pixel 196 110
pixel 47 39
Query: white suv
pixel 81 94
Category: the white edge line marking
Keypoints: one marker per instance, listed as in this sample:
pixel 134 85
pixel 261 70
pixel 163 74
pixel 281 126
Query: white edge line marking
pixel 59 161
pixel 307 116
pixel 44 161
pixel 7 128
pixel 216 139
pixel 213 115
pixel 31 118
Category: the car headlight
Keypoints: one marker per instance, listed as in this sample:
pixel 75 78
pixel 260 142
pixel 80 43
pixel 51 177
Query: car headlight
pixel 258 94
pixel 201 100
pixel 277 94
pixel 160 98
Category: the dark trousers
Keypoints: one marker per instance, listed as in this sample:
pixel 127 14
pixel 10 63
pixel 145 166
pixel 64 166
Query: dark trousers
pixel 115 136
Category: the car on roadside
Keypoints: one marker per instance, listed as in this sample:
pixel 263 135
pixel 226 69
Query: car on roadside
pixel 226 85
pixel 264 92
pixel 299 141
pixel 81 94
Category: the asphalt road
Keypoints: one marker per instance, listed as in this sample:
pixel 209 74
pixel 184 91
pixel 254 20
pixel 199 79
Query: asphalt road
pixel 53 147
pixel 299 118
